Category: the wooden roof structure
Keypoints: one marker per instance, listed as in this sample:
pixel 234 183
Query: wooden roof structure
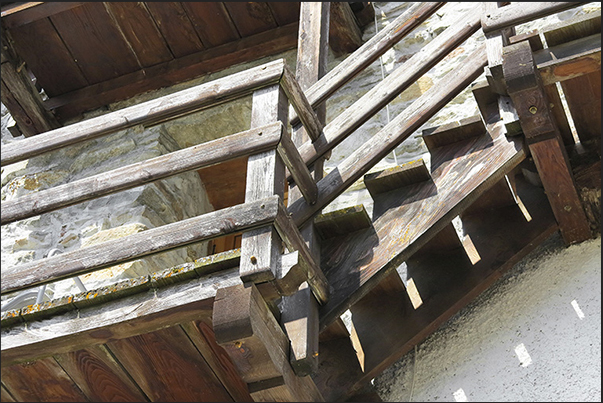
pixel 214 330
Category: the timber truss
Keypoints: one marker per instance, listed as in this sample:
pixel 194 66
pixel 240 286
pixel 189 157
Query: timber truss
pixel 263 322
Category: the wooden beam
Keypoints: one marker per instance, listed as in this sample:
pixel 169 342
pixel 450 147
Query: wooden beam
pixel 129 176
pixel 360 161
pixel 396 177
pixel 342 222
pixel 344 34
pixel 396 82
pixel 526 89
pixel 246 328
pixel 494 44
pixel 150 112
pixel 15 16
pixel 453 132
pixel 169 236
pixel 169 73
pixel 416 14
pixel 518 13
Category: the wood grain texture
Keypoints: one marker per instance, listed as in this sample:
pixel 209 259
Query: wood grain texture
pixel 463 129
pixel 299 171
pixel 344 34
pixel 368 53
pixel 250 17
pixel 447 282
pixel 342 222
pixel 18 16
pixel 396 82
pixel 168 367
pixel 129 176
pixel 175 27
pixel 41 381
pixel 140 31
pixel 404 220
pixel 5 395
pixel 102 52
pixel 518 13
pixel 149 112
pixel 56 72
pixel 300 104
pixel 212 22
pixel 362 159
pixel 225 182
pixel 100 376
pixel 202 335
pixel 399 176
pixel 169 236
pixel 284 12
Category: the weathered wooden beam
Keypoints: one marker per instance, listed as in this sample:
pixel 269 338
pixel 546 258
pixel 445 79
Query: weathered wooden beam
pixel 178 70
pixel 342 222
pixel 344 34
pixel 148 113
pixel 494 44
pixel 360 161
pixel 14 16
pixel 299 171
pixel 526 89
pixel 518 13
pixel 368 53
pixel 396 177
pixel 261 247
pixel 246 328
pixel 396 82
pixel 453 132
pixel 127 177
pixel 170 236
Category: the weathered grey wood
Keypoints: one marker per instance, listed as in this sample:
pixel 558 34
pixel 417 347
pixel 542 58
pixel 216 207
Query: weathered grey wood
pixel 247 330
pixel 396 177
pixel 397 81
pixel 518 13
pixel 569 60
pixel 368 53
pixel 299 171
pixel 360 161
pixel 196 229
pixel 301 105
pixel 148 113
pixel 260 248
pixel 494 45
pixel 342 222
pixel 195 157
pixel 452 132
pixel 508 115
pixel 527 91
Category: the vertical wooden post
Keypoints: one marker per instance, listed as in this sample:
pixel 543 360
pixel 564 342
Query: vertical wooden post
pixel 300 311
pixel 495 41
pixel 261 248
pixel 526 90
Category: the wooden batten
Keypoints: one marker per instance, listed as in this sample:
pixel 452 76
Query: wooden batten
pixel 526 89
pixel 396 177
pixel 452 132
pixel 342 222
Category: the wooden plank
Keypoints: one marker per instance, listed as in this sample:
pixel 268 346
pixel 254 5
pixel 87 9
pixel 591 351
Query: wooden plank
pixel 494 45
pixel 155 360
pixel 5 395
pixel 17 113
pixel 300 104
pixel 362 159
pixel 246 328
pixel 41 381
pixel 405 220
pixel 518 13
pixel 447 283
pixel 342 222
pixel 260 248
pixel 176 71
pixel 250 17
pixel 95 42
pixel 149 112
pixel 175 26
pixel 47 56
pixel 368 53
pixel 140 32
pixel 299 171
pixel 212 22
pixel 202 335
pixel 344 34
pixel 99 375
pixel 397 81
pixel 526 90
pixel 130 176
pixel 169 236
pixel 284 13
pixel 225 182
pixel 452 132
pixel 34 11
pixel 396 177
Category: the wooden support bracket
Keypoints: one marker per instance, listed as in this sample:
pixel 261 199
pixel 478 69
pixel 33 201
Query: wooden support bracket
pixel 527 92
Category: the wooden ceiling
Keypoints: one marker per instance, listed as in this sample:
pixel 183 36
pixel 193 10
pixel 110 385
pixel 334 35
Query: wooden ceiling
pixel 88 54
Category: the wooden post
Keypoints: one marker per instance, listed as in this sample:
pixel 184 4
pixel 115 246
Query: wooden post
pixel 527 92
pixel 495 41
pixel 300 311
pixel 261 248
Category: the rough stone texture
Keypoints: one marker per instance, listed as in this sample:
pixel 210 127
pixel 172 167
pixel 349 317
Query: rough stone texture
pixel 533 336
